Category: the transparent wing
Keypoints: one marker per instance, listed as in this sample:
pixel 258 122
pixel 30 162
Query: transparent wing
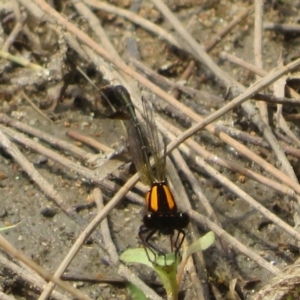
pixel 143 139
pixel 138 151
pixel 156 144
pixel 136 139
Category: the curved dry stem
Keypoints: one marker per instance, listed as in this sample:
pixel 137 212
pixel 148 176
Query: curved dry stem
pixel 9 249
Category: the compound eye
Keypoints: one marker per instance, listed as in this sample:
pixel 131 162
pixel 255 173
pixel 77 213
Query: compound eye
pixel 148 216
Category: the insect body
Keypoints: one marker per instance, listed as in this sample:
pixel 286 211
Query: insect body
pixel 162 216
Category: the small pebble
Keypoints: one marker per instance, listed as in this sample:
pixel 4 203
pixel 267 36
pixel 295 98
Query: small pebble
pixel 48 212
pixel 41 159
pixel 3 213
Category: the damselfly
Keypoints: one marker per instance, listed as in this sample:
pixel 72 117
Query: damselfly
pixel 162 216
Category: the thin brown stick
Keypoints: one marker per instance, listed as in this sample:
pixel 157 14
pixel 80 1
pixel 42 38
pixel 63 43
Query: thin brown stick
pixel 255 70
pixel 278 100
pixel 237 20
pixel 247 94
pixel 231 165
pixel 258 20
pixel 239 192
pixel 71 254
pixel 268 134
pixel 181 165
pixel 205 98
pixel 192 46
pixel 73 276
pixel 89 141
pixel 105 231
pixel 240 62
pixel 184 204
pixel 256 140
pixel 134 18
pixel 208 46
pixel 50 139
pixel 282 286
pixel 99 31
pixel 89 230
pixel 107 166
pixel 35 107
pixel 202 286
pixel 9 249
pixel 131 277
pixel 34 174
pixel 285 28
pixel 86 173
pixel 16 30
pixel 200 219
pixel 279 91
pixel 28 276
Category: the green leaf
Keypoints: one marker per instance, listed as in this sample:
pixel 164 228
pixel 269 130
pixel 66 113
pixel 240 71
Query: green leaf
pixel 167 274
pixel 201 244
pixel 165 267
pixel 137 255
pixel 136 293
